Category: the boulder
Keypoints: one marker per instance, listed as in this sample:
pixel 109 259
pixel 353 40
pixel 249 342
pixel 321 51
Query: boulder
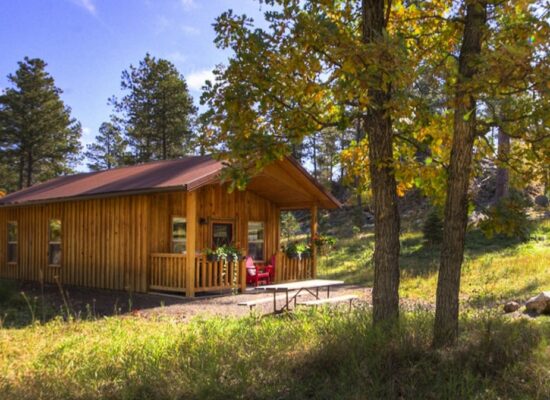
pixel 539 304
pixel 511 306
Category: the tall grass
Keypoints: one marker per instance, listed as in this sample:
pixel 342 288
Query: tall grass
pixel 319 355
pixel 494 269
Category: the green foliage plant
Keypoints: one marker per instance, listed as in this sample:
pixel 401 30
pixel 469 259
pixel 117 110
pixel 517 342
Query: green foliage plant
pixel 508 217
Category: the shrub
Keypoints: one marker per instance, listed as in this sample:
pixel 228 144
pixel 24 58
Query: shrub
pixel 297 250
pixel 433 227
pixel 324 243
pixel 508 217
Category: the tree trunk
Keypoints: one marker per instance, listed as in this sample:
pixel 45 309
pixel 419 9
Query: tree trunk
pixel 456 203
pixel 378 124
pixel 21 170
pixel 503 175
pixel 314 143
pixel 30 165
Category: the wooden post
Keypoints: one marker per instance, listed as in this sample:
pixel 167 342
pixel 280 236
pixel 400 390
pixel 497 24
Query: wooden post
pixel 190 243
pixel 314 226
pixel 242 273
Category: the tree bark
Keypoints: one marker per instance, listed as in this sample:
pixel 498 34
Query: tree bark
pixel 378 124
pixel 503 175
pixel 30 166
pixel 456 203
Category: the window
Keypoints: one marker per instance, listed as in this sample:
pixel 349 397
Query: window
pixel 222 234
pixel 12 242
pixel 54 242
pixel 256 240
pixel 179 234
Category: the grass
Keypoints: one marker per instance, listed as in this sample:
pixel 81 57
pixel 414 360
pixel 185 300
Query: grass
pixel 320 355
pixel 494 270
pixel 324 354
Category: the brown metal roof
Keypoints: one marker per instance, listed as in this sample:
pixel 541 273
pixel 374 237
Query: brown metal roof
pixel 187 173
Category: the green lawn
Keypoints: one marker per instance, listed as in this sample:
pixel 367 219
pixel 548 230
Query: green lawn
pixel 325 354
pixel 494 269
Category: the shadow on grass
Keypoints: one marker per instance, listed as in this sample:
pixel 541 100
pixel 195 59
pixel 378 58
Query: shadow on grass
pixel 496 357
pixel 323 354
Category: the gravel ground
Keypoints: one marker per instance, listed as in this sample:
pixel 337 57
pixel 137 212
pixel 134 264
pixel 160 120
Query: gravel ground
pixel 151 305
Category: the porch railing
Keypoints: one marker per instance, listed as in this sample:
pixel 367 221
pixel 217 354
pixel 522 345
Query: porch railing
pixel 167 272
pixel 292 269
pixel 218 275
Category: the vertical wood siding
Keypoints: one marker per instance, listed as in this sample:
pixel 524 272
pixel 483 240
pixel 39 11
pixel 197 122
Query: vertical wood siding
pixel 107 242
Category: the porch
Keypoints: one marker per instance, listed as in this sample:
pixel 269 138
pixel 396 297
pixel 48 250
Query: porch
pixel 169 272
pixel 210 217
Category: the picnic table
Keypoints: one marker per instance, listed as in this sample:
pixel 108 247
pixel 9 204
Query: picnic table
pixel 311 286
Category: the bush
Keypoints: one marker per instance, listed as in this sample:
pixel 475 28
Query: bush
pixel 433 227
pixel 508 217
pixel 298 250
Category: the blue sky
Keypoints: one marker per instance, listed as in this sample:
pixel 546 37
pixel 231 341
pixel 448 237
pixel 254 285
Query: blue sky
pixel 88 43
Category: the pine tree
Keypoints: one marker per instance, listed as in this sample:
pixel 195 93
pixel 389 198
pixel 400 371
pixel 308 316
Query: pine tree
pixel 109 149
pixel 40 140
pixel 157 113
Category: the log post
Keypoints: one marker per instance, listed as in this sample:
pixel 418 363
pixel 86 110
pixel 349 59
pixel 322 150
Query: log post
pixel 314 227
pixel 191 229
pixel 242 267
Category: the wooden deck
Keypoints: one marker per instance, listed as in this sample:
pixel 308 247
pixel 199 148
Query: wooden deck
pixel 168 272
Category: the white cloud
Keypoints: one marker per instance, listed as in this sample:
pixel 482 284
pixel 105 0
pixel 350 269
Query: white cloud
pixel 188 5
pixel 195 80
pixel 87 5
pixel 190 30
pixel 87 136
pixel 177 57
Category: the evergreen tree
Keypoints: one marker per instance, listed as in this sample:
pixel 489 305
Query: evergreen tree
pixel 109 149
pixel 39 138
pixel 157 112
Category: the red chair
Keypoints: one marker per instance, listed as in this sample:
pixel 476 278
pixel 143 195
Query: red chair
pixel 254 275
pixel 271 268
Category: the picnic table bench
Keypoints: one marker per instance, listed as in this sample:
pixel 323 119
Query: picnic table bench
pixel 292 290
pixel 318 302
pixel 263 300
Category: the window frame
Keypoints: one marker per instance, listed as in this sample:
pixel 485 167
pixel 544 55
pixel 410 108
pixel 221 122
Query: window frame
pixel 172 241
pixel 262 241
pixel 221 221
pixel 8 242
pixel 51 242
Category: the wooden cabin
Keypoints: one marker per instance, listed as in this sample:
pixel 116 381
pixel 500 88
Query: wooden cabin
pixel 146 227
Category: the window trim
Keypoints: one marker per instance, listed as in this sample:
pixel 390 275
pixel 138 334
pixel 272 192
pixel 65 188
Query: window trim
pixel 16 242
pixel 224 221
pixel 60 243
pixel 263 240
pixel 172 241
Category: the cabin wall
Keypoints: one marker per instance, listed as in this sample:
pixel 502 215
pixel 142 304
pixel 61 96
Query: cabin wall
pixel 214 203
pixel 106 243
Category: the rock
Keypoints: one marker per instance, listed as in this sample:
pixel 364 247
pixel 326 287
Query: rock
pixel 541 201
pixel 539 304
pixel 511 306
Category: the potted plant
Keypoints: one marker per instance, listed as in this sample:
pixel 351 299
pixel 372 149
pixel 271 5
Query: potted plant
pixel 298 250
pixel 211 255
pixel 231 253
